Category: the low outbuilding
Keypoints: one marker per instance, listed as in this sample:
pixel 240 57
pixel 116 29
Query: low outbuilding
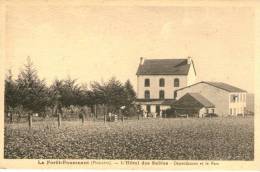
pixel 193 105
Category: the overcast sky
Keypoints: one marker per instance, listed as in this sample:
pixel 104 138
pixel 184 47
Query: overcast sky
pixel 93 43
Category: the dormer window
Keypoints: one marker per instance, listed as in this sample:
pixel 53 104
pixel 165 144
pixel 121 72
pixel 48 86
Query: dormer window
pixel 176 82
pixel 147 82
pixel 161 82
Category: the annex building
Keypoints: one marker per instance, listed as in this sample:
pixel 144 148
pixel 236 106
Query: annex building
pixel 227 99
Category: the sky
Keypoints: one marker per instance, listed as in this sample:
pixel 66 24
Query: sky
pixel 98 42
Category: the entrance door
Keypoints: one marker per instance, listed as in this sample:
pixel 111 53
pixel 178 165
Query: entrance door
pixel 157 110
pixel 148 108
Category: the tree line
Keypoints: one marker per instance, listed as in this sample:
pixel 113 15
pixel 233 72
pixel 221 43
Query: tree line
pixel 31 94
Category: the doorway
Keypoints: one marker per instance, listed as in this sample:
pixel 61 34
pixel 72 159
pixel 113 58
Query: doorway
pixel 157 109
pixel 148 108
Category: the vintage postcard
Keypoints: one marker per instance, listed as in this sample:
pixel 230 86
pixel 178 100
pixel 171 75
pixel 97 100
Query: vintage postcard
pixel 130 85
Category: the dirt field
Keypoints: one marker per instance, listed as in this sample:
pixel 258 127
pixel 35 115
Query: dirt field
pixel 165 139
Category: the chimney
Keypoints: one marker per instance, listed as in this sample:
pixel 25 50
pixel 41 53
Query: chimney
pixel 189 60
pixel 141 60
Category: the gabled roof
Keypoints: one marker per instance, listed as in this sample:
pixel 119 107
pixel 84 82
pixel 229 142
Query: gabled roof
pixel 226 87
pixel 164 67
pixel 202 100
pixel 193 100
pixel 220 85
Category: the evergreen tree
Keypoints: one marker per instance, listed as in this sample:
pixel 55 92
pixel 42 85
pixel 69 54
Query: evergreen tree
pixel 32 92
pixel 130 93
pixel 10 96
pixel 110 93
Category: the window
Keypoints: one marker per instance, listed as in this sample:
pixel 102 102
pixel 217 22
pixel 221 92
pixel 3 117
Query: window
pixel 230 111
pixel 234 111
pixel 233 98
pixel 161 94
pixel 176 82
pixel 147 82
pixel 207 111
pixel 161 82
pixel 213 111
pixel 147 94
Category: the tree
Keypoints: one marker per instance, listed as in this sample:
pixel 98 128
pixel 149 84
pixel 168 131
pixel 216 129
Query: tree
pixel 67 93
pixel 10 96
pixel 32 92
pixel 130 93
pixel 98 93
pixel 109 93
pixel 55 93
pixel 115 94
pixel 84 96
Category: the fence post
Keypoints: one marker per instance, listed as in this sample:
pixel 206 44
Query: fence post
pixel 11 117
pixel 104 111
pixel 121 114
pixel 59 120
pixel 30 120
pixel 95 111
pixel 83 118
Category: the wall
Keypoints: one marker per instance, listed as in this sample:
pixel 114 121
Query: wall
pixel 219 97
pixel 154 85
pixel 250 105
pixel 203 111
pixel 191 78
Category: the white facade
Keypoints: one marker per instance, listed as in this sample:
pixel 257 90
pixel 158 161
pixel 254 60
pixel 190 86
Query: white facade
pixel 219 97
pixel 237 103
pixel 191 77
pixel 154 87
pixel 169 88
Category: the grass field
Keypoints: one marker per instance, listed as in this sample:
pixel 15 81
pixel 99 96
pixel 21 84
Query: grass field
pixel 165 139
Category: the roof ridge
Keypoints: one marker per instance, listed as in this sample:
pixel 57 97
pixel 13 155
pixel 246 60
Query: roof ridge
pixel 216 82
pixel 217 86
pixel 171 66
pixel 167 59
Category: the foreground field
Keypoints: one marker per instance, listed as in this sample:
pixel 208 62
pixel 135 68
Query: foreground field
pixel 166 139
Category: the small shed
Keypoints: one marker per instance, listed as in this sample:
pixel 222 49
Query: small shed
pixel 193 105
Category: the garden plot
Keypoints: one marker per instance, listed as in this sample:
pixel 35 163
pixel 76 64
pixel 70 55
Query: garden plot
pixel 162 139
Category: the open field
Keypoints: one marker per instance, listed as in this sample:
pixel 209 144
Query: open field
pixel 165 139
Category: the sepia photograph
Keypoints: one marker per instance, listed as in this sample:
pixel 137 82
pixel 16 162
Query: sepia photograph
pixel 139 83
